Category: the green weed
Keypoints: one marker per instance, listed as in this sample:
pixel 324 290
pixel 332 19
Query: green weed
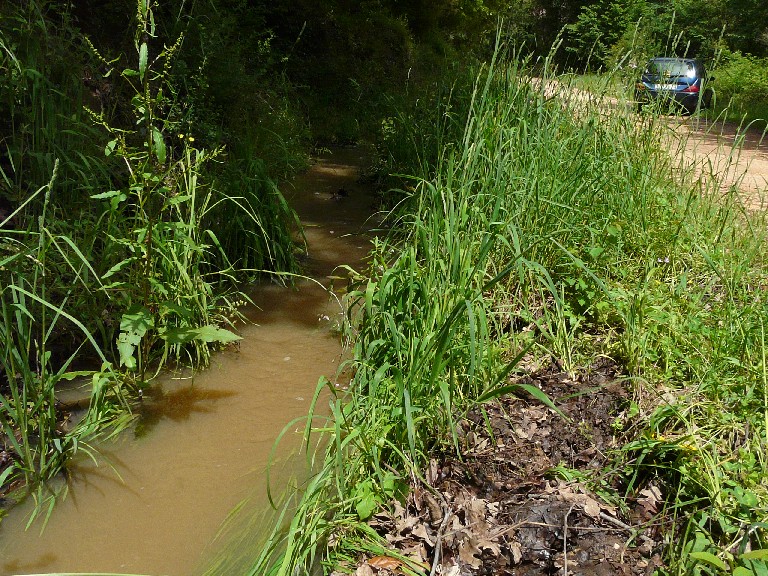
pixel 31 426
pixel 128 239
pixel 534 202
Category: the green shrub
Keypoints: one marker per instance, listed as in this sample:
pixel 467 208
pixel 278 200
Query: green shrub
pixel 741 84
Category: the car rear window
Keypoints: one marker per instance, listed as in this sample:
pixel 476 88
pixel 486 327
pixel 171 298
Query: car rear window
pixel 670 68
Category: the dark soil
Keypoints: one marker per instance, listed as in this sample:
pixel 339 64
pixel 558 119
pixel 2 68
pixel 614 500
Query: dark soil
pixel 518 500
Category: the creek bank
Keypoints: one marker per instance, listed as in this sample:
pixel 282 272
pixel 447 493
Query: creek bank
pixel 516 501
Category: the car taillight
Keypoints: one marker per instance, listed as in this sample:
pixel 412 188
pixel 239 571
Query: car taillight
pixel 692 89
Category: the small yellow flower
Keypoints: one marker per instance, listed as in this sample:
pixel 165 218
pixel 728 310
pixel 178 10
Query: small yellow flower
pixel 191 139
pixel 181 136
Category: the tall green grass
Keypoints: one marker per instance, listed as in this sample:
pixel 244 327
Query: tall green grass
pixel 131 232
pixel 539 220
pixel 32 428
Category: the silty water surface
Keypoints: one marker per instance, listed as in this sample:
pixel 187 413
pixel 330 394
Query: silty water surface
pixel 155 502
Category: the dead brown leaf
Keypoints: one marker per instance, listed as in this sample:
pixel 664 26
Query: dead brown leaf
pixel 591 507
pixel 404 522
pixel 650 498
pixel 469 552
pixel 432 472
pixel 385 563
pixel 422 532
pixel 452 571
pixel 416 552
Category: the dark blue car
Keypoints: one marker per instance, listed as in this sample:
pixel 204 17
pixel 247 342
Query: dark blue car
pixel 678 82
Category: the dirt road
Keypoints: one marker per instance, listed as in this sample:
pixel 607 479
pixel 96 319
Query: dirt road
pixel 736 156
pixel 739 157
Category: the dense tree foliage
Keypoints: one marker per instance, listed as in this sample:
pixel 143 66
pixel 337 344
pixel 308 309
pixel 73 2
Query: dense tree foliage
pixel 603 32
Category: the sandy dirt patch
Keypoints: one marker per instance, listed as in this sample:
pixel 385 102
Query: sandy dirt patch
pixel 737 157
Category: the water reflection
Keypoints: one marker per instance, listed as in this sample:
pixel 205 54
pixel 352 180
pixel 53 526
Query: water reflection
pixel 177 405
pixel 41 564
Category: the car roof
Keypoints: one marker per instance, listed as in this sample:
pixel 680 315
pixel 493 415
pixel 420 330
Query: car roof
pixel 697 64
pixel 673 59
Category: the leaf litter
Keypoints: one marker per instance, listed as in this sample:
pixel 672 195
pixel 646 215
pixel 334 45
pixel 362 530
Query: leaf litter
pixel 516 501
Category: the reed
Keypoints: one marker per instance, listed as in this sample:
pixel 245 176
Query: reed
pixel 31 423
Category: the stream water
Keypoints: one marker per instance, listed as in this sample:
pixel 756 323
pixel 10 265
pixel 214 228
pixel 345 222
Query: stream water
pixel 156 501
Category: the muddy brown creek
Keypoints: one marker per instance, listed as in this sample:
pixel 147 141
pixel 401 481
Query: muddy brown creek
pixel 156 500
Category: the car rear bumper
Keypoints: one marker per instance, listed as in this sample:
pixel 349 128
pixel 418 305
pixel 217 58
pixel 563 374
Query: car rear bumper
pixel 687 100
